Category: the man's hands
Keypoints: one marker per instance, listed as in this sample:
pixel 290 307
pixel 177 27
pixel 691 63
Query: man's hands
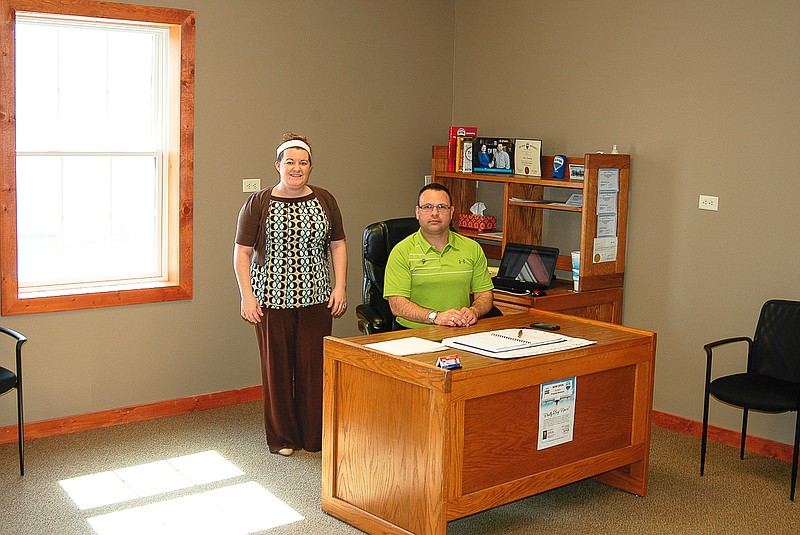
pixel 464 317
pixel 457 318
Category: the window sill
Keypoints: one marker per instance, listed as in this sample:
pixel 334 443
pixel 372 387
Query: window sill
pixel 99 297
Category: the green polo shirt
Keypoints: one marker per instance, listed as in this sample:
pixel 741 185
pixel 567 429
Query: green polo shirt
pixel 433 279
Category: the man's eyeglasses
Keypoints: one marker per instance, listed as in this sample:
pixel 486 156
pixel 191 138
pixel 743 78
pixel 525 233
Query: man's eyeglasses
pixel 429 207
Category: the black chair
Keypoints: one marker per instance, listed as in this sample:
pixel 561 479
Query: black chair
pixel 772 380
pixel 9 380
pixel 374 314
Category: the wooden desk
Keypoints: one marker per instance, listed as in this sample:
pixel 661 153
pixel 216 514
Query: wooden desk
pixel 603 304
pixel 408 446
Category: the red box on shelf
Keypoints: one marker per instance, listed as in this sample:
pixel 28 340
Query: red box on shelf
pixel 477 222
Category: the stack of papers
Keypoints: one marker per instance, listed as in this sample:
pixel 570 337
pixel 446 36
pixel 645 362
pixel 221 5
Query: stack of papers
pixel 407 346
pixel 514 343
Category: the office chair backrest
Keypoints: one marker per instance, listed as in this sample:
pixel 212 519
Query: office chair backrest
pixel 378 240
pixel 776 343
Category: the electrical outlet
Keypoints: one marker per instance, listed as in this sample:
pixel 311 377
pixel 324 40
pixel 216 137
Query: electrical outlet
pixel 250 185
pixel 709 202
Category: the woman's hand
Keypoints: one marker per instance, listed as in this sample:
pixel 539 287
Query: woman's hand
pixel 338 302
pixel 251 310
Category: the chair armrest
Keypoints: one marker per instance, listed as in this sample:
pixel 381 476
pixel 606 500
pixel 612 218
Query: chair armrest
pixel 21 339
pixel 14 334
pixel 709 347
pixel 372 318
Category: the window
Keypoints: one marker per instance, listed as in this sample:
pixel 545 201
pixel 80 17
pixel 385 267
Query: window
pixel 97 103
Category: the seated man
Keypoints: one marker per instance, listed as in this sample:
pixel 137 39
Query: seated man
pixel 431 273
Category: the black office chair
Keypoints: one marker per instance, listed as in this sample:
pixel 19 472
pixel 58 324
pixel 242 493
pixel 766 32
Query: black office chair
pixel 374 314
pixel 9 380
pixel 772 380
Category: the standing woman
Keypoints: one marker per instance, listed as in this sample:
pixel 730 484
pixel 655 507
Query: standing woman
pixel 284 237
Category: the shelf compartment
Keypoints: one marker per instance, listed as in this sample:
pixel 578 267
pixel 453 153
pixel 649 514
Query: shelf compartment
pixel 545 205
pixel 477 234
pixel 513 179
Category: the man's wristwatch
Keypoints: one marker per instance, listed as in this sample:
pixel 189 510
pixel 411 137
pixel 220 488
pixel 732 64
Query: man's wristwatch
pixel 432 316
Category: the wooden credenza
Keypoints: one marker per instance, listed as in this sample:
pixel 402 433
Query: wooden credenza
pixel 602 305
pixel 408 446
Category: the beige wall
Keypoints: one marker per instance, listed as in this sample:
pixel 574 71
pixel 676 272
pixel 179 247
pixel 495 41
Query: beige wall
pixel 702 94
pixel 369 82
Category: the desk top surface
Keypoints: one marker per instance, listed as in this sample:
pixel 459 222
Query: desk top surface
pixel 607 336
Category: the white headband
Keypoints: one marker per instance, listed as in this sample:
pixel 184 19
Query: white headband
pixel 292 143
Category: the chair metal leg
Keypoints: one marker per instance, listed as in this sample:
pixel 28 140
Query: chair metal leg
pixel 20 430
pixel 744 433
pixel 704 440
pixel 796 451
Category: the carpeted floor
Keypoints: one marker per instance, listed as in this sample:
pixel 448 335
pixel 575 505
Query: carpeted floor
pixel 743 497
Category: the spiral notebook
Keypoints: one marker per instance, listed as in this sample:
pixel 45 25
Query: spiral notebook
pixel 504 340
pixel 510 344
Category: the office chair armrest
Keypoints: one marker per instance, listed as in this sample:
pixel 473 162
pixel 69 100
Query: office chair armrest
pixel 372 317
pixel 368 313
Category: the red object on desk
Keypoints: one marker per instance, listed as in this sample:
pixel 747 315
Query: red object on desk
pixel 477 222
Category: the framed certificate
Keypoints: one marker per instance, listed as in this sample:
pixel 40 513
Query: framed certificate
pixel 528 157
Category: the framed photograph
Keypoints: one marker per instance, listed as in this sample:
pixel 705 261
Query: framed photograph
pixel 575 171
pixel 493 155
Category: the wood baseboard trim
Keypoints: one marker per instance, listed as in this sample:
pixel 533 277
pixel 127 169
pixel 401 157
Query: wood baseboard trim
pixel 761 446
pixel 85 422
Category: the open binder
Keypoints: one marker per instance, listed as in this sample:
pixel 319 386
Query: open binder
pixel 506 340
pixel 514 343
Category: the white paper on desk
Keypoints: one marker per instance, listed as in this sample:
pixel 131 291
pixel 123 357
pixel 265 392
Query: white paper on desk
pixel 407 346
pixel 565 343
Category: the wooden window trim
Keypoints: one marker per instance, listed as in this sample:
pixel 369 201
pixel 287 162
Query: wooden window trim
pixel 181 159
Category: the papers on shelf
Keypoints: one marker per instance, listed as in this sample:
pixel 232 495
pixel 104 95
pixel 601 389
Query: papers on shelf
pixel 491 234
pixel 575 200
pixel 531 201
pixel 514 343
pixel 407 346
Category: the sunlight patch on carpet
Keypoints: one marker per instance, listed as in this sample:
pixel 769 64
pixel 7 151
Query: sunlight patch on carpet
pixel 237 509
pixel 234 510
pixel 123 484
